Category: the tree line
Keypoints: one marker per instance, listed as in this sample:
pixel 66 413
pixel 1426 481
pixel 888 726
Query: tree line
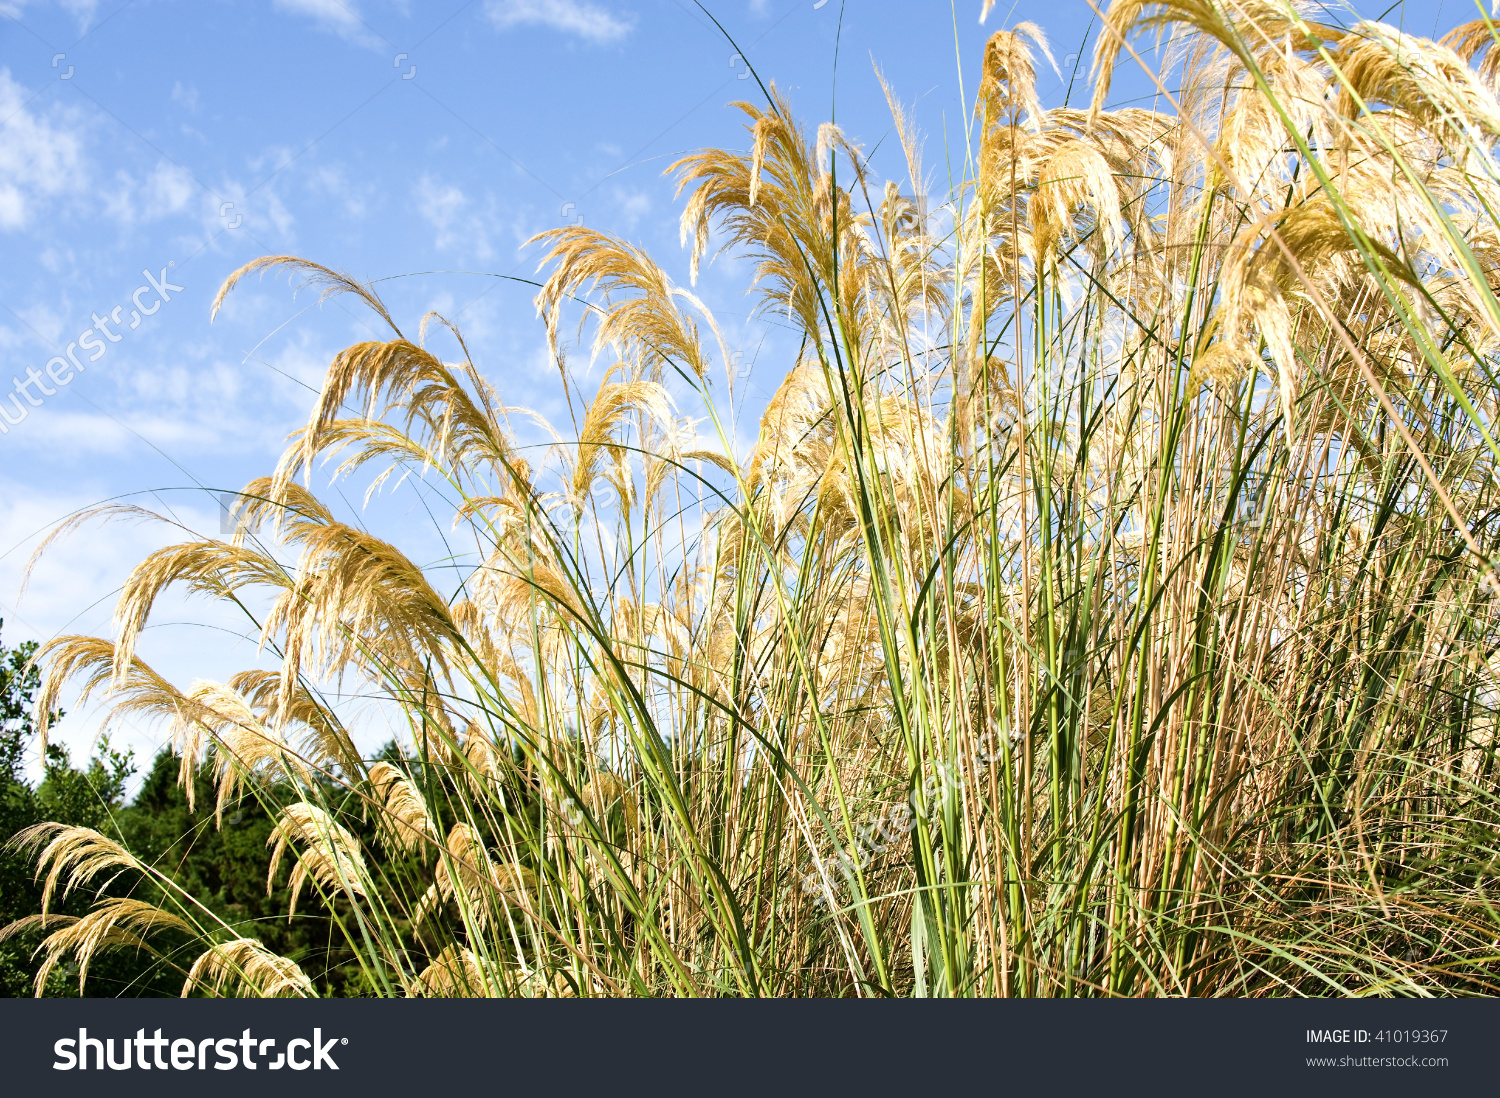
pixel 222 868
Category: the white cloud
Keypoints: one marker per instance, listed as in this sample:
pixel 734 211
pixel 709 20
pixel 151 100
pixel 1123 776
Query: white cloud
pixel 12 208
pixel 52 258
pixel 185 94
pixel 81 10
pixel 341 17
pixel 40 320
pixel 634 205
pixel 356 196
pixel 569 16
pixel 169 189
pixel 262 211
pixel 446 209
pixel 438 204
pixel 165 192
pixel 40 155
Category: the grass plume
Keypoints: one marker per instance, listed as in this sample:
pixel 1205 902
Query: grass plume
pixel 1106 605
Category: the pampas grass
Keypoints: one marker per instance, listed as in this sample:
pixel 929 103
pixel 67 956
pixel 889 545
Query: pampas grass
pixel 1105 607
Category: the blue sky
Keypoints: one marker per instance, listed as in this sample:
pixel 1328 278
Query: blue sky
pixel 386 139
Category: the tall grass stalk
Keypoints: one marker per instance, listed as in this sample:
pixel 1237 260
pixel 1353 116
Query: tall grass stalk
pixel 1106 605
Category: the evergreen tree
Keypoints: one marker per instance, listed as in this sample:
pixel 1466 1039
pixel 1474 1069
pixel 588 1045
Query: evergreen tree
pixel 91 797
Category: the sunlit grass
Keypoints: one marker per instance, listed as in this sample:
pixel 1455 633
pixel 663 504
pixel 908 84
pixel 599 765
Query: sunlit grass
pixel 1106 606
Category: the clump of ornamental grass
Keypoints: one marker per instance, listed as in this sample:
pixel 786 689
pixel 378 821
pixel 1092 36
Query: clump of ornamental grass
pixel 1107 604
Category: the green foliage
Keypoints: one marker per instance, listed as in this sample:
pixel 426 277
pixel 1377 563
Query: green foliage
pixel 224 869
pixel 91 797
pixel 18 809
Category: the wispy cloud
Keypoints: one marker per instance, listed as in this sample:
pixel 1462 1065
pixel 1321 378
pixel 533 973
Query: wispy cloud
pixel 186 94
pixel 633 205
pixel 447 209
pixel 579 17
pixel 81 10
pixel 41 154
pixel 341 17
